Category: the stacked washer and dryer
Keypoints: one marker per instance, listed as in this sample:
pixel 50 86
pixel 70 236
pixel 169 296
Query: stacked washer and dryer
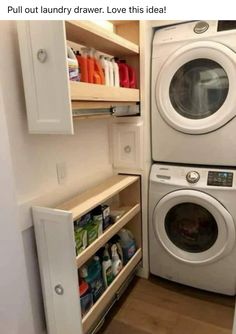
pixel 192 213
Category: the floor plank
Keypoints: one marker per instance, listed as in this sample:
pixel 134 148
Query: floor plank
pixel 157 306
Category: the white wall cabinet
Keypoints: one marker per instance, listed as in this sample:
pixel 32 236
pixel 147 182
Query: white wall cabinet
pixel 57 257
pixel 51 98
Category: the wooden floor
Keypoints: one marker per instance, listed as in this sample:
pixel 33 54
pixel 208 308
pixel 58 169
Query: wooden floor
pixel 162 307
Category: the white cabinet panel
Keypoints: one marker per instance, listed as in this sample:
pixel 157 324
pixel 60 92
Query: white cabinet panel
pixel 128 145
pixel 58 270
pixel 45 76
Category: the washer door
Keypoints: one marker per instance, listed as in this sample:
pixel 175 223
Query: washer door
pixel 193 226
pixel 195 90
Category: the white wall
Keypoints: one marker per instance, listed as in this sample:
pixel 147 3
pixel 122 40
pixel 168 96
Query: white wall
pixel 34 160
pixel 15 310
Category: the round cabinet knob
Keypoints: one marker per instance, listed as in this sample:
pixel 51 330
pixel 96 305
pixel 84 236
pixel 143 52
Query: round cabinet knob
pixel 193 177
pixel 59 289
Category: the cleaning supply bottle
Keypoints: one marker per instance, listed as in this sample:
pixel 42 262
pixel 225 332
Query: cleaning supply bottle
pixel 127 243
pixel 107 270
pixel 123 73
pixel 72 65
pixel 116 73
pixel 92 274
pixel 132 77
pixel 83 63
pixel 90 62
pixel 111 72
pixel 116 262
pixel 98 68
pixel 105 68
pixel 86 297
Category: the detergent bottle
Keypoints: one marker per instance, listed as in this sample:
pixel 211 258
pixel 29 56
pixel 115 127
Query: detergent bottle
pixel 115 73
pixel 123 73
pixel 116 261
pixel 132 77
pixel 83 63
pixel 90 66
pixel 111 72
pixel 127 243
pixel 105 68
pixel 98 69
pixel 92 274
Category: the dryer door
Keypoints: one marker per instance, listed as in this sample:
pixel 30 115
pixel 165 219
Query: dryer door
pixel 195 90
pixel 193 226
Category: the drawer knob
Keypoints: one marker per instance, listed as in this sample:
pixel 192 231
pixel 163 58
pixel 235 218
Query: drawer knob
pixel 127 149
pixel 59 289
pixel 42 55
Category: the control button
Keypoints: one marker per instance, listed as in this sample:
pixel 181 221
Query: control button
pixel 193 177
pixel 201 27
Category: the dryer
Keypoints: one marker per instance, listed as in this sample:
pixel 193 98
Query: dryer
pixel 192 228
pixel 194 94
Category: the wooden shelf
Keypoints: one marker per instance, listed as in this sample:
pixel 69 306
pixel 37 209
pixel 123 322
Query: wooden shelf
pixel 77 105
pixel 90 34
pixel 107 235
pixel 85 202
pixel 102 302
pixel 93 92
pixel 91 117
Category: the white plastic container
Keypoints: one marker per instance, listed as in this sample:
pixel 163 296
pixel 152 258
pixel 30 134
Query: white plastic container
pixel 111 72
pixel 105 67
pixel 73 66
pixel 116 73
pixel 116 262
pixel 127 243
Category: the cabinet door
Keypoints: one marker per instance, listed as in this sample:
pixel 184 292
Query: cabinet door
pixel 45 76
pixel 58 270
pixel 128 145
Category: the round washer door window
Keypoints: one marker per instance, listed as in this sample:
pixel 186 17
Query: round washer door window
pixel 194 90
pixel 193 226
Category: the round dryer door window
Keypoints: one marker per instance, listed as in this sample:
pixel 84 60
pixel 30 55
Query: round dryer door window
pixel 195 89
pixel 199 88
pixel 193 226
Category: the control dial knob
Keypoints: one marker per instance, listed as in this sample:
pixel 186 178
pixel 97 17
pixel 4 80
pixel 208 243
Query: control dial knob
pixel 193 177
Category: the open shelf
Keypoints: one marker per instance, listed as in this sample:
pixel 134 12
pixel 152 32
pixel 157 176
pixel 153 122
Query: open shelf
pixel 54 231
pixel 93 92
pixel 85 202
pixel 88 33
pixel 93 314
pixel 130 212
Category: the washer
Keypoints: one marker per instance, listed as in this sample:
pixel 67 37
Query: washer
pixel 194 94
pixel 192 226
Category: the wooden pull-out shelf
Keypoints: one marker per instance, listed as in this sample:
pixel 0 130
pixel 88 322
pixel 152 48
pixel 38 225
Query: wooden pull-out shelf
pixel 82 91
pixel 107 235
pixel 100 305
pixel 90 34
pixel 88 200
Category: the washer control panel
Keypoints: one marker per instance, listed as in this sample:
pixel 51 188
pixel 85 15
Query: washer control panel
pixel 220 179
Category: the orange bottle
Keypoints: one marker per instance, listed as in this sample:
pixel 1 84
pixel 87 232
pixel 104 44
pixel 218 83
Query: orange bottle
pixel 98 70
pixel 83 64
pixel 91 64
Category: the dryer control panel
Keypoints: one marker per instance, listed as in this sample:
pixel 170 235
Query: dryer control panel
pixel 220 179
